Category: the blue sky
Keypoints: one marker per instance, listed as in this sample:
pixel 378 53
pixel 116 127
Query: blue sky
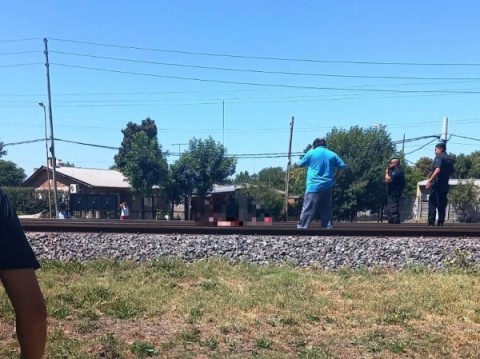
pixel 238 71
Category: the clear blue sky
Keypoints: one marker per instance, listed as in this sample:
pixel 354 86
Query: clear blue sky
pixel 166 65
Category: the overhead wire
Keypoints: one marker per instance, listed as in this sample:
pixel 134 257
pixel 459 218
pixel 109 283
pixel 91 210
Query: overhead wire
pixel 267 71
pixel 263 84
pixel 263 57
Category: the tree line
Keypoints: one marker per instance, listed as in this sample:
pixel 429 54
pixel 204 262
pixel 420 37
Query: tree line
pixel 205 162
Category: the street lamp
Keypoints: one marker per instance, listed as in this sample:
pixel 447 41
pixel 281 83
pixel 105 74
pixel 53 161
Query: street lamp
pixel 48 167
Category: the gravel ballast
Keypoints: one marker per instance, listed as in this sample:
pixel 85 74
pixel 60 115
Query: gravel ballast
pixel 330 253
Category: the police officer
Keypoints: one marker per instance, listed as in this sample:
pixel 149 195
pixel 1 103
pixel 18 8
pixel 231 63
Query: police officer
pixel 438 185
pixel 395 183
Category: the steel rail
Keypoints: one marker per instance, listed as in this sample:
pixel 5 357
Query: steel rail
pixel 276 229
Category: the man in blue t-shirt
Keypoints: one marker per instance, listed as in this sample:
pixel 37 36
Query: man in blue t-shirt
pixel 324 168
pixel 395 183
pixel 438 185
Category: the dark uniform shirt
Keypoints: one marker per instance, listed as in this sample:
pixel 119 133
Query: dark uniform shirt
pixel 398 184
pixel 445 163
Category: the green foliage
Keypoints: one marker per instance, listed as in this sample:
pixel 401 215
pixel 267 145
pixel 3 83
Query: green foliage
pixel 412 176
pixel 148 126
pixel 269 199
pixel 2 151
pixel 145 164
pixel 26 200
pixel 366 153
pixel 203 164
pixel 273 177
pixel 467 166
pixel 425 166
pixel 464 198
pixel 297 180
pixel 10 174
pixel 143 350
pixel 172 188
pixel 243 178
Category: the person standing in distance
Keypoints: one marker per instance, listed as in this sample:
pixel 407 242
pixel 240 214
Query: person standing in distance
pixel 438 185
pixel 324 168
pixel 124 211
pixel 395 183
pixel 17 274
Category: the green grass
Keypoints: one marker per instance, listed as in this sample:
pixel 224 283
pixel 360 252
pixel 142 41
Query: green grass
pixel 213 309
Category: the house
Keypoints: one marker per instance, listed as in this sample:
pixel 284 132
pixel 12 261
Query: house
pixel 421 205
pixel 95 193
pixel 88 192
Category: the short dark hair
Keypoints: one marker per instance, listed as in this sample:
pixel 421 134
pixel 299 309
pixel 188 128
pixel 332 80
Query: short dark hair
pixel 441 146
pixel 319 142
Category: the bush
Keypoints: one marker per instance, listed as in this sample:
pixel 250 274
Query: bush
pixel 26 200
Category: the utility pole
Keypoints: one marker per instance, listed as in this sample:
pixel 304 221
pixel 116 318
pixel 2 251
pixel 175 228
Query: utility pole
pixel 52 138
pixel 179 144
pixel 223 123
pixel 403 146
pixel 443 136
pixel 287 175
pixel 48 167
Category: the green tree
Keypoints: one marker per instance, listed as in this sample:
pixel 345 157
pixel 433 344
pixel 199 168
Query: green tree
pixel 366 153
pixel 2 151
pixel 243 178
pixel 425 166
pixel 273 177
pixel 297 180
pixel 202 165
pixel 147 126
pixel 467 166
pixel 413 175
pixel 173 187
pixel 464 198
pixel 10 174
pixel 208 164
pixel 145 164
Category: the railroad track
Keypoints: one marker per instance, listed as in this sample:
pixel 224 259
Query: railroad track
pixel 276 229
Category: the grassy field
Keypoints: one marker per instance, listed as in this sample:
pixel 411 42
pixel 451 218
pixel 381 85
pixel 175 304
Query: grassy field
pixel 169 309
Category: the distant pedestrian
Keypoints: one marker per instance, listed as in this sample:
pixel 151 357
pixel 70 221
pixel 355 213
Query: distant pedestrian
pixel 124 211
pixel 62 212
pixel 324 168
pixel 17 274
pixel 438 185
pixel 395 183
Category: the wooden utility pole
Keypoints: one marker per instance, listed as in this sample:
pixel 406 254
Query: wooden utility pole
pixel 287 175
pixel 52 138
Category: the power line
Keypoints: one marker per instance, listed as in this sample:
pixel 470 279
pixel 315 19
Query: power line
pixel 19 65
pixel 264 84
pixel 419 148
pixel 465 137
pixel 18 52
pixel 20 40
pixel 23 142
pixel 264 57
pixel 266 71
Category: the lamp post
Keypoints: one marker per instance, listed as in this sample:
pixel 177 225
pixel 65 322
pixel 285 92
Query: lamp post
pixel 48 167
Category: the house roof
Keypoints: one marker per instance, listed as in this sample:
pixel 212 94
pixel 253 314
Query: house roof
pixel 95 177
pixel 91 177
